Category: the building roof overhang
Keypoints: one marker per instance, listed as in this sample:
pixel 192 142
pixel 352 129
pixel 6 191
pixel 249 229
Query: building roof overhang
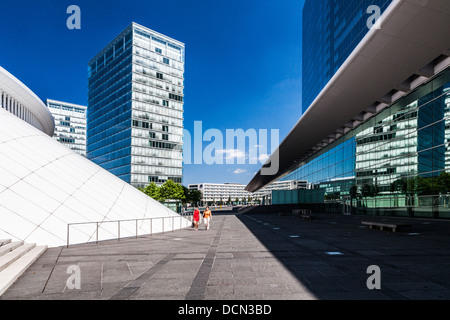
pixel 21 93
pixel 409 45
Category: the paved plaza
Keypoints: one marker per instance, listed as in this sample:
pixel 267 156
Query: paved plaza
pixel 252 257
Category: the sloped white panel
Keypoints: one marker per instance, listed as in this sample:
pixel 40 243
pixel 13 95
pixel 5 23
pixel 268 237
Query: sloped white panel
pixel 44 186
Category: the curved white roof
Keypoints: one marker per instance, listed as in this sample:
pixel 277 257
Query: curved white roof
pixel 45 186
pixel 411 46
pixel 14 87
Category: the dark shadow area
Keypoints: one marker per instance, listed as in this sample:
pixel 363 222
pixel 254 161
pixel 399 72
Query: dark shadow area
pixel 331 254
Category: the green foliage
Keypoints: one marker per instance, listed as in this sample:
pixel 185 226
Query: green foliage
pixel 152 190
pixel 168 191
pixel 353 191
pixel 365 190
pixel 171 191
pixel 195 196
pixel 423 186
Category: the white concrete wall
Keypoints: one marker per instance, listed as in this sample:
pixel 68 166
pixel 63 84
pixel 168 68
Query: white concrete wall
pixel 44 186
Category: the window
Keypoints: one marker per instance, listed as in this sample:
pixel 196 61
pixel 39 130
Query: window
pixel 67 140
pixel 165 137
pixel 166 61
pixel 175 97
pixel 152 135
pixel 158 50
pixel 142 124
pixel 165 103
pixel 159 75
pixel 165 128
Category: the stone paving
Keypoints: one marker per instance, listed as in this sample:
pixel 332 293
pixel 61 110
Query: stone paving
pixel 252 257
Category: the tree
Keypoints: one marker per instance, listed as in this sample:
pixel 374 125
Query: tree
pixel 229 200
pixel 443 183
pixel 171 191
pixel 153 191
pixel 353 192
pixel 366 190
pixel 186 194
pixel 195 196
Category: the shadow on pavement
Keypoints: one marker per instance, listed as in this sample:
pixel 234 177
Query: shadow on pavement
pixel 331 255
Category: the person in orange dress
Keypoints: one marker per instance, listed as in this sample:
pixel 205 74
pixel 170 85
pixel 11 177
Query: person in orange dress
pixel 207 215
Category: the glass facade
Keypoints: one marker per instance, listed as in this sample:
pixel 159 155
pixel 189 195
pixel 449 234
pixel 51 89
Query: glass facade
pixel 70 124
pixel 135 112
pixel 331 31
pixel 396 163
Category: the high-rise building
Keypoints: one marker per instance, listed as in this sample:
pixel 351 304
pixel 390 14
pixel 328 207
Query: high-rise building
pixel 135 107
pixel 70 124
pixel 331 31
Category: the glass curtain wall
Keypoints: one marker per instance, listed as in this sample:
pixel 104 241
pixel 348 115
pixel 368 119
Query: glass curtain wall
pixel 331 31
pixel 397 163
pixel 109 108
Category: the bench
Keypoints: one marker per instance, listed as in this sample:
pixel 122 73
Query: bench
pixel 393 226
pixel 303 213
pixel 306 216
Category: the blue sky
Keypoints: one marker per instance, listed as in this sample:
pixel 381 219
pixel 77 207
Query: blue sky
pixel 243 59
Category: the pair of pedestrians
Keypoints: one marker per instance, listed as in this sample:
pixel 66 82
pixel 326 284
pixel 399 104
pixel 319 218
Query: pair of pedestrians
pixel 207 216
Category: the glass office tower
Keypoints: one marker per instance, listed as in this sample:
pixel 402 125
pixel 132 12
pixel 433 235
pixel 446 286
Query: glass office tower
pixel 331 30
pixel 135 107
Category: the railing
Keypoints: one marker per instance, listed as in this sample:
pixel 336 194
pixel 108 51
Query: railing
pixel 98 224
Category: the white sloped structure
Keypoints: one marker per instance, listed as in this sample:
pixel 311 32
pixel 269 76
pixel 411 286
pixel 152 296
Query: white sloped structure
pixel 44 186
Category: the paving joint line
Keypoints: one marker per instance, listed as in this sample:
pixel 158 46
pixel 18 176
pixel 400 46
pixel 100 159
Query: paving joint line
pixel 136 284
pixel 198 286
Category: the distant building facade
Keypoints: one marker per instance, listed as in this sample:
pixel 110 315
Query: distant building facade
pixel 222 192
pixel 70 124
